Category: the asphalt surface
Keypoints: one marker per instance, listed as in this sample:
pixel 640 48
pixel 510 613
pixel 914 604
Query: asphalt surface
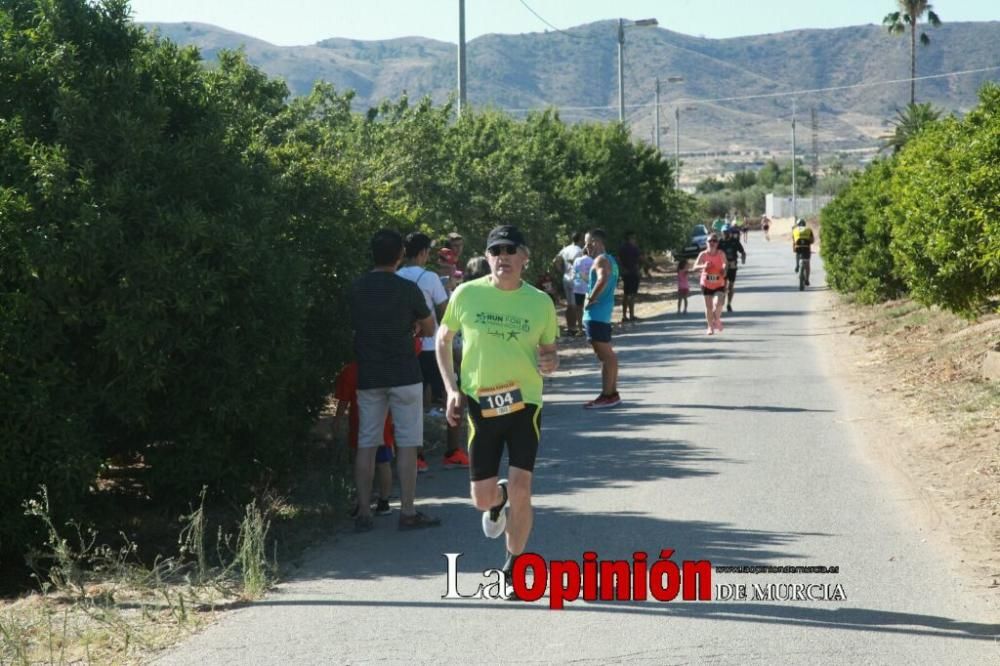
pixel 733 448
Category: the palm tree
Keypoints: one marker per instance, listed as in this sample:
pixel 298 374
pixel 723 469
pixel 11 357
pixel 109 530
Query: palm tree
pixel 909 14
pixel 908 123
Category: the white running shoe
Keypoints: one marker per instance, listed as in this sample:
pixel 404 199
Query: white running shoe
pixel 495 519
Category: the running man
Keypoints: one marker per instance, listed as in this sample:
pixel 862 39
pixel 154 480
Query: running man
pixel 733 249
pixel 509 334
pixel 597 312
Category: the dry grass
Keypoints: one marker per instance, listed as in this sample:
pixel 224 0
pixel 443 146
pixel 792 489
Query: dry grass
pixel 928 362
pixel 56 629
pixel 102 605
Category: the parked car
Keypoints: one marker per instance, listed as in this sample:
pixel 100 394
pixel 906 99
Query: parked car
pixel 697 243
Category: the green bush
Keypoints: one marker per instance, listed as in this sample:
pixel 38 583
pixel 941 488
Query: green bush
pixel 176 243
pixel 946 210
pixel 855 235
pixel 155 302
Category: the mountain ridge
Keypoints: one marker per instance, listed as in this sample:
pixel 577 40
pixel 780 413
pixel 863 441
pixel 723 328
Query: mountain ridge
pixel 576 69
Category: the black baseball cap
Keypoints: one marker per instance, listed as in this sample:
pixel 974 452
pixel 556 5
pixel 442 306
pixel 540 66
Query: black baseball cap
pixel 506 234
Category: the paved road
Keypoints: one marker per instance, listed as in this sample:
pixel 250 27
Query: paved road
pixel 733 448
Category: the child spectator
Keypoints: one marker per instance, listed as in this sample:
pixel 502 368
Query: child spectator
pixel 683 286
pixel 346 392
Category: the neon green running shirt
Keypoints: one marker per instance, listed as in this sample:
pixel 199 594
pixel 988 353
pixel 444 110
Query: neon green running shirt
pixel 501 331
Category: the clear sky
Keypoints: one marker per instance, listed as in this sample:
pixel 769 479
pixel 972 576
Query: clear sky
pixel 299 22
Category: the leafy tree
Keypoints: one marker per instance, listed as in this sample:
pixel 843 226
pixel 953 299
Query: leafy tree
pixel 743 180
pixel 908 123
pixel 909 14
pixel 945 210
pixel 176 243
pixel 832 184
pixel 709 185
pixel 768 174
pixel 149 262
pixel 856 231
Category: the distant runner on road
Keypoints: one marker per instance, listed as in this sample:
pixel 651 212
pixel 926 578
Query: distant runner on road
pixel 509 331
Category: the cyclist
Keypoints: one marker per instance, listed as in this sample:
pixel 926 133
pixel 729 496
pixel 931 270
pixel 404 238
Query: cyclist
pixel 734 251
pixel 802 240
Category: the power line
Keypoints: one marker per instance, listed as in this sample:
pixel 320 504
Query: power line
pixel 539 17
pixel 791 93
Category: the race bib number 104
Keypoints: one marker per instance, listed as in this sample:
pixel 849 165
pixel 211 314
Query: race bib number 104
pixel 500 400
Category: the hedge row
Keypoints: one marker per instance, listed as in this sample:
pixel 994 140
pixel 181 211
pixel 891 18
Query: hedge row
pixel 176 241
pixel 926 221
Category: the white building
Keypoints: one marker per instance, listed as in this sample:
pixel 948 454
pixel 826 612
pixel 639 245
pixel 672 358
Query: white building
pixel 807 206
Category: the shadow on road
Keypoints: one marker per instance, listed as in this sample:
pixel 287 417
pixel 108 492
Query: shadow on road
pixel 752 408
pixel 848 619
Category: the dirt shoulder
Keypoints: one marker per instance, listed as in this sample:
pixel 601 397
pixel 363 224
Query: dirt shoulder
pixel 913 384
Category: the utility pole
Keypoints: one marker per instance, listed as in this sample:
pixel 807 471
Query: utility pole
pixel 677 148
pixel 621 70
pixel 795 210
pixel 641 23
pixel 815 158
pixel 657 141
pixel 461 56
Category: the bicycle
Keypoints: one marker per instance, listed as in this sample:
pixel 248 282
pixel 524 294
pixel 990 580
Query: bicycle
pixel 803 271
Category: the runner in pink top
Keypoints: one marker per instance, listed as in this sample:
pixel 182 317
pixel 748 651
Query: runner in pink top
pixel 712 264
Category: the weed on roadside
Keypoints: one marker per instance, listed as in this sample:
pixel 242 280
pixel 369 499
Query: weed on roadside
pixel 98 604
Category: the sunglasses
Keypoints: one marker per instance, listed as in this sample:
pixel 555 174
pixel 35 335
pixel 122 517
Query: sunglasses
pixel 497 250
pixel 713 241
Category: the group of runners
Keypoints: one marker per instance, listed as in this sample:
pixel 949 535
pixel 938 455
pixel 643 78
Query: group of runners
pixel 720 261
pixel 718 264
pixel 509 331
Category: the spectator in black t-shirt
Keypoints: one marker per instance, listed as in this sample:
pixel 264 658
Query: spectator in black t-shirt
pixel 387 311
pixel 629 260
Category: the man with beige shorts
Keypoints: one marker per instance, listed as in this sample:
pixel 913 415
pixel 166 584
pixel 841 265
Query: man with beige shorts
pixel 386 312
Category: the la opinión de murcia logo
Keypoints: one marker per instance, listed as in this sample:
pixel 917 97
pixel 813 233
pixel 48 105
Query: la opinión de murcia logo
pixel 595 580
pixel 640 579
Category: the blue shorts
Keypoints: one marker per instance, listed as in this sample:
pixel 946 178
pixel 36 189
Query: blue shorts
pixel 597 331
pixel 383 454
